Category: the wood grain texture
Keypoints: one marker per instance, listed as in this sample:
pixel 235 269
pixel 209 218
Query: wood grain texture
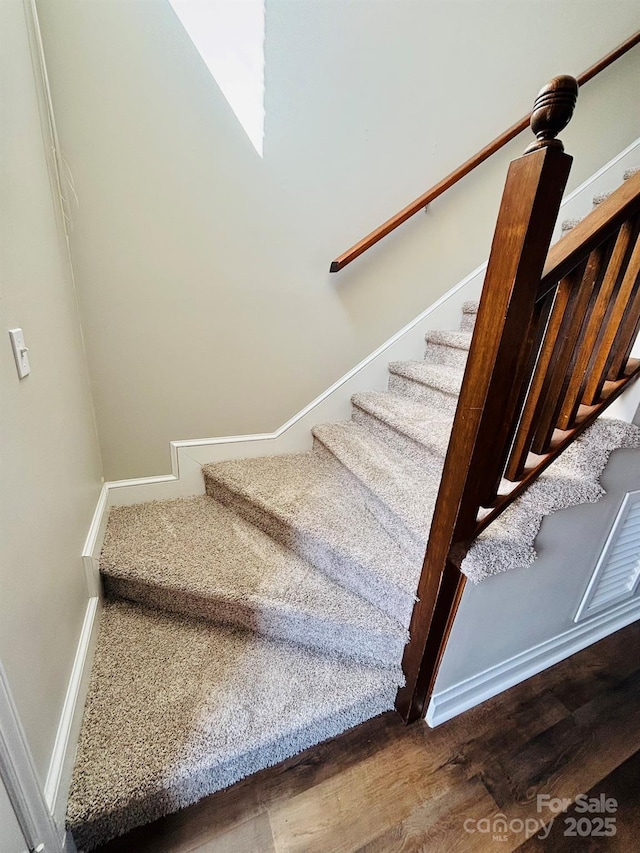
pixel 561 365
pixel 627 331
pixel 387 788
pixel 518 377
pixel 595 325
pixel 604 222
pixel 622 785
pixel 614 323
pixel 495 381
pixel 552 111
pixel 539 389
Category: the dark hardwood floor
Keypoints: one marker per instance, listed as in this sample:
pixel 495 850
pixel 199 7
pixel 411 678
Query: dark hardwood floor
pixel 386 788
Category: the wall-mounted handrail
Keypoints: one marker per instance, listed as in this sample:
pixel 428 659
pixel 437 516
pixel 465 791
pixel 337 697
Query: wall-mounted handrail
pixel 446 183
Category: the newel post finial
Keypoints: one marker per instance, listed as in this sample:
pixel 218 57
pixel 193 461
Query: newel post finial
pixel 552 111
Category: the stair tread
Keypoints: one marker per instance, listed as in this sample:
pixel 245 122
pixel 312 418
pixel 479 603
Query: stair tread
pixel 195 552
pixel 209 705
pixel 412 418
pixel 454 338
pixel 443 377
pixel 600 197
pixel 409 488
pixel 307 493
pixel 569 224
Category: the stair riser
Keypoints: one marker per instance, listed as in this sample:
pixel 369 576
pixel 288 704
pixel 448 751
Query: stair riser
pixel 438 400
pixel 293 627
pixel 391 521
pixel 440 354
pixel 338 567
pixel 394 439
pixel 468 322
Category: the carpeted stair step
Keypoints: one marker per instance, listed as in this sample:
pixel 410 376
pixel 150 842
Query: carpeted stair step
pixel 180 708
pixel 569 224
pixel 407 425
pixel 318 555
pixel 195 556
pixel 434 385
pixel 447 347
pixel 469 314
pixel 598 199
pixel 404 489
pixel 307 503
pixel 572 479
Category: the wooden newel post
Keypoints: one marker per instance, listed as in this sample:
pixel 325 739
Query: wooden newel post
pixel 495 383
pixel 552 111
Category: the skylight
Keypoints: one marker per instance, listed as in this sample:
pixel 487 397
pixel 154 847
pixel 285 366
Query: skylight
pixel 229 36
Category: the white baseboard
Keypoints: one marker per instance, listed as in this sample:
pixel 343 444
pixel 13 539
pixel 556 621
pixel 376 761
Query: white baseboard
pixel 471 692
pixel 56 788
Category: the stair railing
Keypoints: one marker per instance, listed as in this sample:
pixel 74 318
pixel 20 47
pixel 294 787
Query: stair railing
pixel 446 183
pixel 550 351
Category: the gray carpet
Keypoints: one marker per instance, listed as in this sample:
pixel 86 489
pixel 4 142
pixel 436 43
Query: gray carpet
pixel 270 614
pixel 180 708
pixel 195 556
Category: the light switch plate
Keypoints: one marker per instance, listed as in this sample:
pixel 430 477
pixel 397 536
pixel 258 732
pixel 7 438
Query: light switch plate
pixel 20 352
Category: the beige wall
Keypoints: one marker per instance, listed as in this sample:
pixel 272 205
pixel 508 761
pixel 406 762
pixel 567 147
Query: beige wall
pixel 202 269
pixel 49 460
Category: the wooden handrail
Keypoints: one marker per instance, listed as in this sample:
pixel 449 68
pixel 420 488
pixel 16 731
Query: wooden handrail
pixel 446 183
pixel 549 353
pixel 603 221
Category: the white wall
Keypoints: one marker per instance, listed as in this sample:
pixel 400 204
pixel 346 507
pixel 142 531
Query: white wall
pixel 49 459
pixel 202 269
pixel 10 832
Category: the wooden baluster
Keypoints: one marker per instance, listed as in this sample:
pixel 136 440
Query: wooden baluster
pixel 624 366
pixel 519 414
pixel 531 411
pixel 593 331
pixel 530 203
pixel 625 338
pixel 598 367
pixel 515 400
pixel 580 285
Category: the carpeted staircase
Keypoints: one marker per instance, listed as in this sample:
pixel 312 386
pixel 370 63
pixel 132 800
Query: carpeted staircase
pixel 245 625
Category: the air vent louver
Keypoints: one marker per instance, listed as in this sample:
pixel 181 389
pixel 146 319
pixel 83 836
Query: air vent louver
pixel 616 576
